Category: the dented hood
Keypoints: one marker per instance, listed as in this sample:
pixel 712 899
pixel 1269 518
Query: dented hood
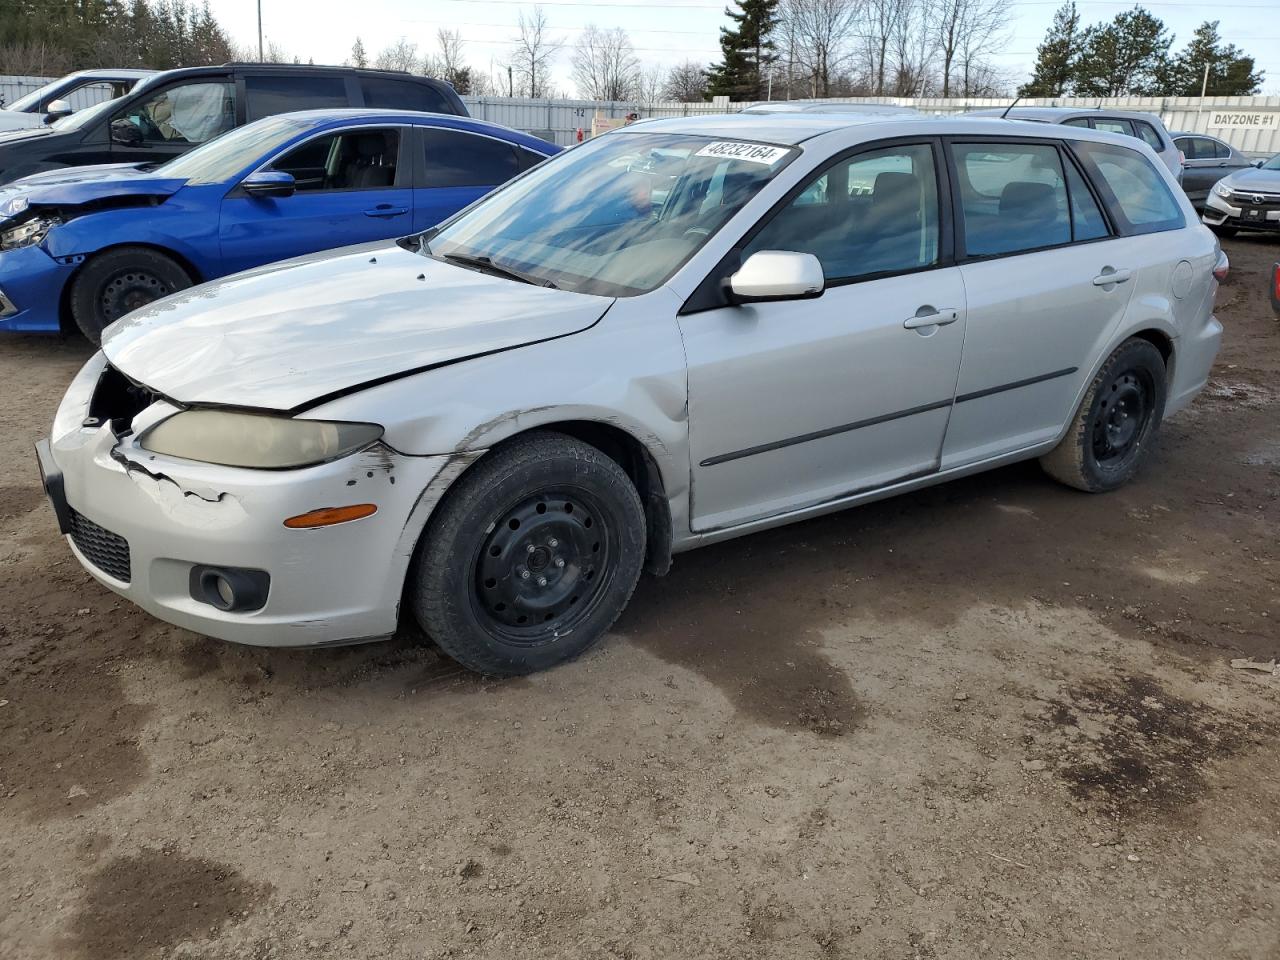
pixel 77 186
pixel 285 336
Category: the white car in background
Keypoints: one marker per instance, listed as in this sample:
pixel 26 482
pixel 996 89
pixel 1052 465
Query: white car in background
pixel 504 420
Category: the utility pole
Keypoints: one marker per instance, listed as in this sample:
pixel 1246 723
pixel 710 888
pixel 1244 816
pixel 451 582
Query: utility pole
pixel 511 84
pixel 260 56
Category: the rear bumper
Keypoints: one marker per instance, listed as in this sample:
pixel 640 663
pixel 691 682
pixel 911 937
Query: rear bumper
pixel 31 285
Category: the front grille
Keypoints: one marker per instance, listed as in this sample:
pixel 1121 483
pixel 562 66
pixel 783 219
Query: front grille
pixel 1255 199
pixel 107 551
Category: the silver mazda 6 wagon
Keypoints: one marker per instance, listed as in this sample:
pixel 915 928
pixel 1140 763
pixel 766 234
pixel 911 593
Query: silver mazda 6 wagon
pixel 679 332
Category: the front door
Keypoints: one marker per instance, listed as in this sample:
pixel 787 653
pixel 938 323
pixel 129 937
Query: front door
pixel 1047 283
pixel 793 404
pixel 171 121
pixel 352 186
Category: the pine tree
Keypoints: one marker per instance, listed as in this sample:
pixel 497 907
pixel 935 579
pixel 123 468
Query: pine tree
pixel 1056 56
pixel 359 58
pixel 1127 57
pixel 747 50
pixel 1231 73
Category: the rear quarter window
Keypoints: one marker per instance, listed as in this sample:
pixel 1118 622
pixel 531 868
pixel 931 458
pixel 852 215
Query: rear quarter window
pixel 1148 133
pixel 388 93
pixel 1136 194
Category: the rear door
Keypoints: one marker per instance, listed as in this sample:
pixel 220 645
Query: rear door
pixel 1047 280
pixel 353 185
pixel 1204 167
pixel 458 167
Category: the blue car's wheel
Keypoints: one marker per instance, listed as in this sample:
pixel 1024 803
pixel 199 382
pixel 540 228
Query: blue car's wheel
pixel 120 281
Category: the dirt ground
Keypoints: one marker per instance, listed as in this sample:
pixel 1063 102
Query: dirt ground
pixel 992 719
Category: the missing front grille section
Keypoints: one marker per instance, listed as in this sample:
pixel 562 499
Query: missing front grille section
pixel 117 400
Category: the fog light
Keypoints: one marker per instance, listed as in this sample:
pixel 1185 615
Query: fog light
pixel 233 589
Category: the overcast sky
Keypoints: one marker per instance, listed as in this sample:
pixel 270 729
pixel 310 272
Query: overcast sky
pixel 664 31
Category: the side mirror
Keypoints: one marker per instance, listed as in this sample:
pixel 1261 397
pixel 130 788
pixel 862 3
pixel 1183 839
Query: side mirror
pixel 1259 163
pixel 56 110
pixel 777 275
pixel 125 133
pixel 269 183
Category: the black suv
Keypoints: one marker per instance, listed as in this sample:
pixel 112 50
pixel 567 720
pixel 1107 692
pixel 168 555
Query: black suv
pixel 171 112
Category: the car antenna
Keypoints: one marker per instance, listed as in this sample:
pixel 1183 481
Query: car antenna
pixel 1005 115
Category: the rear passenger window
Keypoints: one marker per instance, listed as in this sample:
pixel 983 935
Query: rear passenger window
pixel 1013 196
pixel 1137 195
pixel 1107 125
pixel 1076 122
pixel 459 159
pixel 267 96
pixel 875 213
pixel 387 93
pixel 1149 135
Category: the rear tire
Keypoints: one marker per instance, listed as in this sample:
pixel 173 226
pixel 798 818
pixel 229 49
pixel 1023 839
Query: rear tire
pixel 1116 424
pixel 530 557
pixel 120 281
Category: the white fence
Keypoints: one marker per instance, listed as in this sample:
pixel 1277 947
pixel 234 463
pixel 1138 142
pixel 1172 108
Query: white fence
pixel 1252 124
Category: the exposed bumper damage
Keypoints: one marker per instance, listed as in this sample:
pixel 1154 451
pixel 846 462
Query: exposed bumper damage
pixel 334 584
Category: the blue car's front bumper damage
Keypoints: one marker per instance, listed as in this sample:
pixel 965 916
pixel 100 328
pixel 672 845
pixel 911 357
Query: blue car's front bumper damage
pixel 31 285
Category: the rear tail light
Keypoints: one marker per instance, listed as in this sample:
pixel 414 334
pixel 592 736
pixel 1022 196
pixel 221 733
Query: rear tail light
pixel 1275 288
pixel 1182 158
pixel 1221 268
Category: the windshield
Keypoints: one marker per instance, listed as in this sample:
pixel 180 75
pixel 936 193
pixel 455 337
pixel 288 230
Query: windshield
pixel 23 104
pixel 614 217
pixel 81 118
pixel 223 157
pixel 1273 163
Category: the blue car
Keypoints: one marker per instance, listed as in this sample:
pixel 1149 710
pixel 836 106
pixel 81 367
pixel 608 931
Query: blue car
pixel 85 246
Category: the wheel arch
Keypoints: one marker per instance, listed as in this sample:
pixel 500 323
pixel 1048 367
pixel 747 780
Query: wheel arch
pixel 65 321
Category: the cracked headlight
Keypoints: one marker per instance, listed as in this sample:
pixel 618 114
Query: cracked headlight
pixel 26 234
pixel 1222 190
pixel 255 440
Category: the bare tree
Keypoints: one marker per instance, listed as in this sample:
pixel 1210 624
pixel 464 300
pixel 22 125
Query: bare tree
pixel 985 34
pixel 452 61
pixel 34 60
pixel 880 26
pixel 966 30
pixel 686 82
pixel 818 34
pixel 401 55
pixel 649 83
pixel 604 64
pixel 913 45
pixel 535 51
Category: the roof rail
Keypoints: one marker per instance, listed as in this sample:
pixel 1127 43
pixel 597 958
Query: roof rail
pixel 312 66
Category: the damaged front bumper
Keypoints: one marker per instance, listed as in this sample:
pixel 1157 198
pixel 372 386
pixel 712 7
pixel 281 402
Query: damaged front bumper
pixel 146 526
pixel 31 285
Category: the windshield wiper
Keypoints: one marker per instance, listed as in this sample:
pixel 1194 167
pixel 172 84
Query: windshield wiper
pixel 487 264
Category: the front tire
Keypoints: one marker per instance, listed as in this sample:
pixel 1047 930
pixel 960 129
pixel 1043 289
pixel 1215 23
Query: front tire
pixel 530 557
pixel 1116 423
pixel 120 281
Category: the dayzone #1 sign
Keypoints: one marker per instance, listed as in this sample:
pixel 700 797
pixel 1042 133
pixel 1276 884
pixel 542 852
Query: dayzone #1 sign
pixel 1244 121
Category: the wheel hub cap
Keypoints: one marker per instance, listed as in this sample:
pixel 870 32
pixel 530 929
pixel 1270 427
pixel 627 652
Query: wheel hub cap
pixel 540 562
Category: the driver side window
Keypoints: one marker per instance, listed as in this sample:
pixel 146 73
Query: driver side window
pixel 874 213
pixel 189 113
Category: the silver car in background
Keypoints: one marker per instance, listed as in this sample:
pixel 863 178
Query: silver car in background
pixel 503 421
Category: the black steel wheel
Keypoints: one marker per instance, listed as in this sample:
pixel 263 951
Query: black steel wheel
pixel 530 556
pixel 117 282
pixel 1116 423
pixel 542 568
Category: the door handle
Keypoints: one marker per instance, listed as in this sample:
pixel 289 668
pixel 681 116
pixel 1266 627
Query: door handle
pixel 1108 276
pixel 934 318
pixel 386 210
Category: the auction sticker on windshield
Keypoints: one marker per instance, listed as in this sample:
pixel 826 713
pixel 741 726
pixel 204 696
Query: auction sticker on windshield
pixel 751 152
